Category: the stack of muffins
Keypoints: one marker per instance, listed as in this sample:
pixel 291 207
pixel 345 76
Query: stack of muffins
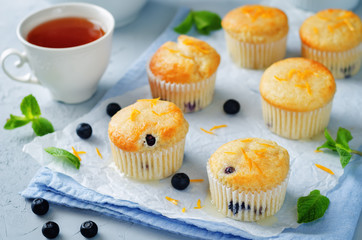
pixel 248 177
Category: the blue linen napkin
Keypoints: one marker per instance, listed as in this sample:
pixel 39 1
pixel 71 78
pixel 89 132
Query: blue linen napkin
pixel 339 221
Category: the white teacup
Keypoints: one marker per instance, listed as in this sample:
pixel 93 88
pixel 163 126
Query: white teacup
pixel 71 74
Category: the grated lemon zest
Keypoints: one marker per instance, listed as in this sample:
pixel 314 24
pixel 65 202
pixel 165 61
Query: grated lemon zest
pixel 246 140
pixel 267 145
pixel 173 50
pixel 174 201
pixel 189 42
pixel 76 154
pixel 134 114
pixel 247 158
pixel 330 28
pixel 258 168
pixel 217 127
pixel 99 153
pixel 155 113
pixel 349 25
pixel 318 151
pixel 206 131
pixel 198 204
pixel 196 180
pixel 183 210
pixel 81 152
pixel 230 152
pixel 280 79
pixel 152 101
pixel 315 30
pixel 324 169
pixel 308 88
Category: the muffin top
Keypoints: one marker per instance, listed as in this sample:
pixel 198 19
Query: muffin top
pixel 256 24
pixel 147 124
pixel 187 61
pixel 297 84
pixel 332 30
pixel 250 164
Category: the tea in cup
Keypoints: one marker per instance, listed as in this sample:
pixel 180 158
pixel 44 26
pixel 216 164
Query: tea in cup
pixel 67 47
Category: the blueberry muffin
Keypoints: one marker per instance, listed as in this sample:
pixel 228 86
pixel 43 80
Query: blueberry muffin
pixel 296 96
pixel 184 73
pixel 248 178
pixel 147 139
pixel 256 35
pixel 333 37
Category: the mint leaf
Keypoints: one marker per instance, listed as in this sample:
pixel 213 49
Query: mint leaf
pixel 186 25
pixel 64 155
pixel 330 143
pixel 42 126
pixel 15 122
pixel 344 155
pixel 343 137
pixel 312 207
pixel 206 21
pixel 29 107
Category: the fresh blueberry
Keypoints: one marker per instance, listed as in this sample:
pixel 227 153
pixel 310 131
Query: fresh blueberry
pixel 84 130
pixel 113 108
pixel 231 106
pixel 151 140
pixel 89 229
pixel 40 206
pixel 50 230
pixel 180 181
pixel 229 170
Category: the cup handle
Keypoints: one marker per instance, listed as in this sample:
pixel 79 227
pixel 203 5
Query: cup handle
pixel 27 78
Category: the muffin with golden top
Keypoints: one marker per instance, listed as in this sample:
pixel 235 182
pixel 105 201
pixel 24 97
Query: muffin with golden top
pixel 256 35
pixel 248 178
pixel 147 139
pixel 297 95
pixel 184 73
pixel 333 37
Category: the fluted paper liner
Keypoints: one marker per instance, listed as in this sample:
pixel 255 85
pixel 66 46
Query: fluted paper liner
pixel 342 64
pixel 293 124
pixel 255 55
pixel 246 205
pixel 189 97
pixel 149 165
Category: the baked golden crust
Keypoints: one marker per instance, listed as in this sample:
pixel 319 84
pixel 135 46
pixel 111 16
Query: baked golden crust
pixel 189 60
pixel 332 30
pixel 163 120
pixel 256 24
pixel 297 84
pixel 259 164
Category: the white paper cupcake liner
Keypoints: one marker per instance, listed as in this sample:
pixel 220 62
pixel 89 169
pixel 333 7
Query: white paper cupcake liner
pixel 255 56
pixel 342 64
pixel 189 97
pixel 149 165
pixel 246 205
pixel 296 125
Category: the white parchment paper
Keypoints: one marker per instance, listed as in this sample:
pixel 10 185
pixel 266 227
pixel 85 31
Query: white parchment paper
pixel 102 176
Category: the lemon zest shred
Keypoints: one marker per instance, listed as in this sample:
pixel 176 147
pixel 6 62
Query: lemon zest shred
pixel 230 152
pixel 198 204
pixel 217 127
pixel 315 30
pixel 247 158
pixel 183 55
pixel 196 180
pixel 206 131
pixel 173 50
pixel 349 25
pixel 258 168
pixel 189 42
pixel 81 152
pixel 246 140
pixel 308 88
pixel 99 153
pixel 152 101
pixel 267 145
pixel 259 150
pixel 76 154
pixel 330 28
pixel 280 79
pixel 324 169
pixel 183 210
pixel 292 72
pixel 134 114
pixel 155 113
pixel 318 151
pixel 174 201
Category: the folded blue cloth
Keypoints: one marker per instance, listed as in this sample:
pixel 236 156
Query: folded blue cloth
pixel 339 221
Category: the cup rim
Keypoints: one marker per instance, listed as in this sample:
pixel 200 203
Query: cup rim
pixel 88 5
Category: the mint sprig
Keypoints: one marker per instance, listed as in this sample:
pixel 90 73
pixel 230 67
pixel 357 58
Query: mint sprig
pixel 64 155
pixel 31 111
pixel 340 145
pixel 204 21
pixel 312 207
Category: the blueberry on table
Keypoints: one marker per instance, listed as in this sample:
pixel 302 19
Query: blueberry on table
pixel 151 140
pixel 231 106
pixel 180 181
pixel 113 108
pixel 84 130
pixel 40 206
pixel 89 229
pixel 50 230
